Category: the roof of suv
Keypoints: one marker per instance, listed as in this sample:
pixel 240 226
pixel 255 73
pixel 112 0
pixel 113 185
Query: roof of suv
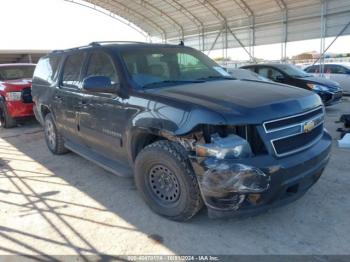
pixel 119 44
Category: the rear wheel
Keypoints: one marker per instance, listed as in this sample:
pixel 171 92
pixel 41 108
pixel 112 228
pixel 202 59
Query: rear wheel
pixel 54 139
pixel 165 178
pixel 6 120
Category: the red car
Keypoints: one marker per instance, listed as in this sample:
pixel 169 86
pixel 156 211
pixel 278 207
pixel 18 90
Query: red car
pixel 15 93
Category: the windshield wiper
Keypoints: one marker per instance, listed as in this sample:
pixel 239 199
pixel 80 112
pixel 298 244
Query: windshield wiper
pixel 217 78
pixel 165 82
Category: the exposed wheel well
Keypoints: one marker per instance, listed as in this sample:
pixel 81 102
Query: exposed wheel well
pixel 44 111
pixel 143 140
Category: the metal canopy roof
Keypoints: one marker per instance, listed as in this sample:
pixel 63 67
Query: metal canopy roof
pixel 217 24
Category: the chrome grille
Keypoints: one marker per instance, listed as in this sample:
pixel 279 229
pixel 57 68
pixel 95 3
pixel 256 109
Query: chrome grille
pixel 295 133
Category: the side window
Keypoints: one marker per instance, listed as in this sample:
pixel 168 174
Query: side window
pixel 270 73
pixel 101 64
pixel 72 69
pixel 311 69
pixel 337 69
pixel 46 70
pixel 329 69
pixel 253 69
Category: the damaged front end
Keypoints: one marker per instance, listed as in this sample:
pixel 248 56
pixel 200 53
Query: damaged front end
pixel 225 182
pixel 216 154
pixel 239 175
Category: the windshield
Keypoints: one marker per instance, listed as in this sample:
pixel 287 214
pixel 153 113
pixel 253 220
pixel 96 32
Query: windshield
pixel 157 67
pixel 16 72
pixel 293 71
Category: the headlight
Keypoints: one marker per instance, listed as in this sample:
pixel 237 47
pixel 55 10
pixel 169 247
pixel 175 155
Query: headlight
pixel 231 146
pixel 13 96
pixel 317 87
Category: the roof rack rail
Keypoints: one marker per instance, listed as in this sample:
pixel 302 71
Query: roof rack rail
pixel 70 49
pixel 96 43
pixel 99 43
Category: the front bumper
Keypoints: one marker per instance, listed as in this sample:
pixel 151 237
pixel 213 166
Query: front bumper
pixel 331 98
pixel 289 178
pixel 18 109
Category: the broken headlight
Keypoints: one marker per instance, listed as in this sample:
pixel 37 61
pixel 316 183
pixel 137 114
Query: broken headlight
pixel 232 146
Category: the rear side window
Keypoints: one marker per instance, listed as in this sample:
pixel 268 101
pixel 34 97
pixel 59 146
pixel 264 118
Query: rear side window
pixel 72 69
pixel 312 69
pixel 46 70
pixel 335 69
pixel 101 64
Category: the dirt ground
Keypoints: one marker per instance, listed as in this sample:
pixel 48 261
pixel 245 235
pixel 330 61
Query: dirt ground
pixel 56 205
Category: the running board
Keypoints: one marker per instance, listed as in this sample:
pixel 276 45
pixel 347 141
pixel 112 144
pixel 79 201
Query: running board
pixel 114 167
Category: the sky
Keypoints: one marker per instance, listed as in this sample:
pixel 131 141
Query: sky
pixel 58 24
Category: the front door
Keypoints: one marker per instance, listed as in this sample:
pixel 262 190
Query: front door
pixel 102 116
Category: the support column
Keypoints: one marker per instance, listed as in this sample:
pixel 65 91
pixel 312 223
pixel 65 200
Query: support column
pixel 322 36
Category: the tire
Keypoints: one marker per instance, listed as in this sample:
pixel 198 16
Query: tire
pixel 54 139
pixel 6 120
pixel 166 181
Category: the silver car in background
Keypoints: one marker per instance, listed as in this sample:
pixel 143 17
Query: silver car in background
pixel 338 72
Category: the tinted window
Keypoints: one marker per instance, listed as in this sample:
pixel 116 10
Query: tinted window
pixel 72 69
pixel 269 73
pixel 101 64
pixel 312 69
pixel 46 70
pixel 335 69
pixel 16 72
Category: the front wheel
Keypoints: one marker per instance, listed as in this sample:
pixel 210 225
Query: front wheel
pixel 165 178
pixel 54 139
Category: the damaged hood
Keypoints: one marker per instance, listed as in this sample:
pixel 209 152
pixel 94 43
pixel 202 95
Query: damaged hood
pixel 243 101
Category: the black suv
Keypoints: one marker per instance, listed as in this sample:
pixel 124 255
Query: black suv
pixel 189 132
pixel 329 91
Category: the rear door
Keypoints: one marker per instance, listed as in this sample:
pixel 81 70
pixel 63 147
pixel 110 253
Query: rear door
pixel 103 115
pixel 67 96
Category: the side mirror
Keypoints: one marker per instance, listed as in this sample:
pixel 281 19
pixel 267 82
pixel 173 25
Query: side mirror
pixel 99 84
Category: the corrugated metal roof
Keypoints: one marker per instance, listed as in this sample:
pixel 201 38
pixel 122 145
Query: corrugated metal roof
pixel 251 22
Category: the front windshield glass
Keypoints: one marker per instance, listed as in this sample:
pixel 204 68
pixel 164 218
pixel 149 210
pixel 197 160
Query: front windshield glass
pixel 16 72
pixel 165 66
pixel 293 71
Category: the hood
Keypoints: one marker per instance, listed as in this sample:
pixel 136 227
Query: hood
pixel 242 101
pixel 320 80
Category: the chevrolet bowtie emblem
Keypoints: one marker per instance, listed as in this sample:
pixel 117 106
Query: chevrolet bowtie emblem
pixel 309 126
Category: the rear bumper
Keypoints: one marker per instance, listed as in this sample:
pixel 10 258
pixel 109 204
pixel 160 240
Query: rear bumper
pixel 289 178
pixel 19 109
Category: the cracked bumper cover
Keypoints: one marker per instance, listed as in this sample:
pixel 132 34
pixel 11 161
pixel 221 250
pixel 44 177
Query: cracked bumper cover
pixel 239 187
